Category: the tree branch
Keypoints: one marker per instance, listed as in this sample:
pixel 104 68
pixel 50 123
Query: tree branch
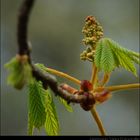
pixel 23 18
pixel 51 81
pixel 24 49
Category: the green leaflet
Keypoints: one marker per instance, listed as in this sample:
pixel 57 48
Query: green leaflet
pixel 98 54
pixel 124 58
pixel 52 123
pixel 117 47
pixel 109 55
pixel 30 125
pixel 20 73
pixel 41 110
pixel 104 59
pixel 136 60
pixel 36 114
pixel 126 62
pixel 67 106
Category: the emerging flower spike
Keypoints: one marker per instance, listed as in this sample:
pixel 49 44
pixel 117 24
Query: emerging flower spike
pixel 93 32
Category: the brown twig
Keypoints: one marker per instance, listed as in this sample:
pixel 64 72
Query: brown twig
pixel 24 49
pixel 51 81
pixel 23 18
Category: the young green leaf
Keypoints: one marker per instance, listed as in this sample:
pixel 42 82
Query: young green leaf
pixel 126 58
pixel 20 73
pixel 67 106
pixel 136 60
pixel 126 63
pixel 110 54
pixel 104 59
pixel 41 109
pixel 98 54
pixel 107 61
pixel 51 123
pixel 37 114
pixel 114 45
pixel 30 125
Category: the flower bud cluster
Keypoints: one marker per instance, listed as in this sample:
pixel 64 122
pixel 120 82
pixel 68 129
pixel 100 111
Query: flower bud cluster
pixel 88 54
pixel 93 32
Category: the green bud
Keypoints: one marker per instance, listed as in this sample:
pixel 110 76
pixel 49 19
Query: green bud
pixel 20 73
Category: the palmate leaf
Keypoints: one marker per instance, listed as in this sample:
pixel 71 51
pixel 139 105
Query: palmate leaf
pixel 20 73
pixel 67 106
pixel 41 110
pixel 110 54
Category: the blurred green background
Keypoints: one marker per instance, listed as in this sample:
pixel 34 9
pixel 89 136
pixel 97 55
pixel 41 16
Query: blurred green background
pixel 55 32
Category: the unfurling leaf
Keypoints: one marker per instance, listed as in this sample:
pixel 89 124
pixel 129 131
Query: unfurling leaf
pixel 104 57
pixel 41 109
pixel 30 125
pixel 110 54
pixel 67 106
pixel 51 123
pixel 123 57
pixel 20 73
pixel 36 114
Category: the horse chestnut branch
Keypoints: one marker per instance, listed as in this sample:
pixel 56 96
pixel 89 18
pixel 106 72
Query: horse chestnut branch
pixel 24 50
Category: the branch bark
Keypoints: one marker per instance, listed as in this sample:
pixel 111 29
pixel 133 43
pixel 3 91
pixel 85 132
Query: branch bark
pixel 23 18
pixel 24 49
